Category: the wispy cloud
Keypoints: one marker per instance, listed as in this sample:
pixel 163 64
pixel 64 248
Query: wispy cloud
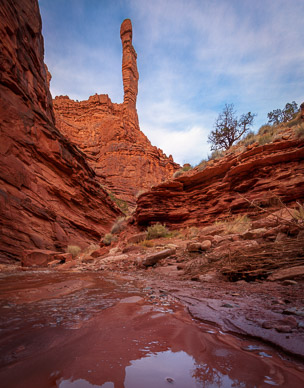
pixel 193 57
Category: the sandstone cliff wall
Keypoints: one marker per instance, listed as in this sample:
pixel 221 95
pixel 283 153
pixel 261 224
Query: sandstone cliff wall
pixel 109 134
pixel 259 174
pixel 49 196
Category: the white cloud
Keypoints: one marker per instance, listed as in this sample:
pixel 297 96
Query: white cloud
pixel 188 146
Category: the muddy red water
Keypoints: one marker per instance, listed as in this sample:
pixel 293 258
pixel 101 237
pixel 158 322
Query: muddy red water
pixel 87 330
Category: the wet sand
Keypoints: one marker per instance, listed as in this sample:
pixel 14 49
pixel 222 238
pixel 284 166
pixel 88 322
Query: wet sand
pixel 80 330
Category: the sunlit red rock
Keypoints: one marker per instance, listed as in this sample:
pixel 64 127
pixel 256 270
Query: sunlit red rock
pixel 261 174
pixel 49 196
pixel 109 134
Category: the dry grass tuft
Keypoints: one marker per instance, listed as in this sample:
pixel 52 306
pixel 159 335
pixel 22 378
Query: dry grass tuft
pixel 298 213
pixel 73 249
pixel 300 131
pixel 237 225
pixel 119 225
pixel 147 244
pixel 109 238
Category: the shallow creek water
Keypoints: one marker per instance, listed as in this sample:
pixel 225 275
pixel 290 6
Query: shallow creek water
pixel 84 330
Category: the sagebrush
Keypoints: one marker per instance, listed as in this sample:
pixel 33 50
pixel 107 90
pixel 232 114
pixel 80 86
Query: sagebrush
pixel 119 225
pixel 109 238
pixel 157 231
pixel 73 249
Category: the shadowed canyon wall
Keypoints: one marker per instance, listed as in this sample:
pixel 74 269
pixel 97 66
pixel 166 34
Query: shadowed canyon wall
pixel 49 196
pixel 109 134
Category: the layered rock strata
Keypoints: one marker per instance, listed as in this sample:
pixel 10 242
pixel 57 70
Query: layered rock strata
pixel 49 196
pixel 109 134
pixel 261 174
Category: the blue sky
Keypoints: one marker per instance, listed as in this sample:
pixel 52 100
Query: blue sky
pixel 194 56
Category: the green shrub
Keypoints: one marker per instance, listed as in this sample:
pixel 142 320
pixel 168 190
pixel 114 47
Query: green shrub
pixel 187 167
pixel 118 226
pixel 73 249
pixel 109 238
pixel 156 231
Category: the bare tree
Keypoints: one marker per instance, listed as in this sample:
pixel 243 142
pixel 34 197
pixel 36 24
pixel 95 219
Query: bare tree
pixel 228 128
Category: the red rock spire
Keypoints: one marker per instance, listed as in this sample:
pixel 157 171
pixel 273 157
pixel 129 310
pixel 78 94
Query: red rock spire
pixel 129 66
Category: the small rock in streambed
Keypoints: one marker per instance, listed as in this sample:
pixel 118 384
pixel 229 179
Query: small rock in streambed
pixel 294 311
pixel 288 282
pixel 228 305
pixel 170 380
pixel 283 328
pixel 268 325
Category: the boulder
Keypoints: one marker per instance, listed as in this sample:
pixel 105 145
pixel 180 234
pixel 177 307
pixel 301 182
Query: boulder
pixel 287 273
pixel 199 247
pixel 64 257
pixel 53 263
pixel 99 252
pixel 154 258
pixel 253 234
pixel 194 247
pixel 205 245
pixel 42 258
pixel 136 238
pixel 132 248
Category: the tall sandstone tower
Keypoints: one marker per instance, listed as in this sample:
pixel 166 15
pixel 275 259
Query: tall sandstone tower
pixel 129 65
pixel 122 157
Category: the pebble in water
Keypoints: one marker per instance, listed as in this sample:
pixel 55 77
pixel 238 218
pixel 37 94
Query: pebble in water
pixel 170 380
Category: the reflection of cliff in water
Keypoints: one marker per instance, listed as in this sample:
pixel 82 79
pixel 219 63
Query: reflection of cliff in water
pixel 78 330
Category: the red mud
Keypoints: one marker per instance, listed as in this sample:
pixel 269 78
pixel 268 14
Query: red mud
pixel 118 333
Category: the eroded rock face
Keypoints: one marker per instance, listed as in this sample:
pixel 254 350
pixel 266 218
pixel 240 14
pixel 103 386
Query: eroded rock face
pixel 49 196
pixel 109 134
pixel 259 174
